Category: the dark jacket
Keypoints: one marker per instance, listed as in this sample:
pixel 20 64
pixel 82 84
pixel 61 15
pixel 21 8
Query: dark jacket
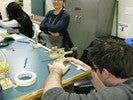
pixel 26 27
pixel 59 24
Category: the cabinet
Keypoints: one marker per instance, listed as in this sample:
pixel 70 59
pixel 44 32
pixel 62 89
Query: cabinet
pixel 38 7
pixel 83 20
pixel 89 19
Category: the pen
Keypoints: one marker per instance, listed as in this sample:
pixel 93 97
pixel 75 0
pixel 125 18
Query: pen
pixel 23 41
pixel 25 62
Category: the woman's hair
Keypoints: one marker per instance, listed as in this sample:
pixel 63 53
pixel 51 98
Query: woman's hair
pixel 14 10
pixel 64 0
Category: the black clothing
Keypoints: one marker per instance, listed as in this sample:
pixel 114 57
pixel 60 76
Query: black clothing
pixel 26 27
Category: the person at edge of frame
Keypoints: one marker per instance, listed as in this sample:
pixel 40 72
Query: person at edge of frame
pixel 18 19
pixel 54 26
pixel 111 74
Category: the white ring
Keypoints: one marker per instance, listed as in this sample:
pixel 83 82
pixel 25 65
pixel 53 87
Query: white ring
pixel 27 82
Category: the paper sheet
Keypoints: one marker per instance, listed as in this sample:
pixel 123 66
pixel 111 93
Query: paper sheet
pixel 2 30
pixel 17 37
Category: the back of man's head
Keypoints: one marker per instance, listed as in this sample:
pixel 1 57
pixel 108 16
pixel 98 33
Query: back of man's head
pixel 115 56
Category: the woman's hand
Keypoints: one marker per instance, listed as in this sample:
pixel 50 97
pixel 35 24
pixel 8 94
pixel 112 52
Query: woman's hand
pixel 54 34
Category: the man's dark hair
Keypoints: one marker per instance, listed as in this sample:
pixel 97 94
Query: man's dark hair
pixel 115 56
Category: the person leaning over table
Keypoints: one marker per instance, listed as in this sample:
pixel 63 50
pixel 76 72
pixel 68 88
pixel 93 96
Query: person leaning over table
pixel 54 26
pixel 112 77
pixel 18 19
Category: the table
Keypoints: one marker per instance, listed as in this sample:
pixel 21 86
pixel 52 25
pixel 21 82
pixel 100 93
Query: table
pixel 37 62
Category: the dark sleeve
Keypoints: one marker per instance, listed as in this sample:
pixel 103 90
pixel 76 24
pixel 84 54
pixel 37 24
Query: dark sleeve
pixel 44 22
pixel 63 22
pixel 107 94
pixel 22 21
pixel 60 94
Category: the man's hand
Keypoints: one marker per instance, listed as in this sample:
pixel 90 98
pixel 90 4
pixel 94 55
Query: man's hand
pixel 59 67
pixel 78 62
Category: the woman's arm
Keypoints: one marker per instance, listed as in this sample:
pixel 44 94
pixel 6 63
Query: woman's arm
pixel 61 24
pixel 12 23
pixel 43 23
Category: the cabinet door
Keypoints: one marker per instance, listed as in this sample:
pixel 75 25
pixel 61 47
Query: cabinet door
pixel 83 19
pixel 38 7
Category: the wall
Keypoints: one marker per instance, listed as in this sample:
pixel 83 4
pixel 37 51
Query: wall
pixel 48 5
pixel 27 6
pixel 38 7
pixel 3 4
pixel 125 19
pixel 89 19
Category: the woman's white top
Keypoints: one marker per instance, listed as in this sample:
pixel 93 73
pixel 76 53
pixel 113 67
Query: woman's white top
pixel 12 23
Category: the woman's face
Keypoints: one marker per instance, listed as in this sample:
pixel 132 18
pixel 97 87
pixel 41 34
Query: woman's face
pixel 57 4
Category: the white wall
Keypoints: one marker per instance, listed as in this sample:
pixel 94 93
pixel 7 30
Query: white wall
pixel 27 6
pixel 48 5
pixel 3 4
pixel 125 19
